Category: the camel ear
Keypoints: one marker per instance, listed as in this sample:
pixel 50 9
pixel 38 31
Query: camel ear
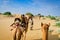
pixel 48 24
pixel 41 24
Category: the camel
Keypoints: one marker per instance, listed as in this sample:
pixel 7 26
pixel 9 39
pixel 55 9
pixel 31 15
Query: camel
pixel 27 18
pixel 19 30
pixel 45 28
pixel 18 33
pixel 26 26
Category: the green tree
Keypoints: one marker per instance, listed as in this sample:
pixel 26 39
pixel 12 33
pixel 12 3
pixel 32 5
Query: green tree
pixel 7 13
pixel 40 15
pixel 30 14
pixel 51 17
pixel 58 24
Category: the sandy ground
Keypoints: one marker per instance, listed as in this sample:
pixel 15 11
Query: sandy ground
pixel 35 34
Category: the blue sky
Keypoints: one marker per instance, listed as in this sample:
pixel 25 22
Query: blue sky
pixel 45 7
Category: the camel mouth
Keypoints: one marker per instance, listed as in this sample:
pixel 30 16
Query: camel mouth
pixel 17 24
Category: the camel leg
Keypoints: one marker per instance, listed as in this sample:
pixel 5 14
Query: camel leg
pixel 14 35
pixel 19 34
pixel 25 34
pixel 31 28
pixel 22 37
pixel 19 37
pixel 26 31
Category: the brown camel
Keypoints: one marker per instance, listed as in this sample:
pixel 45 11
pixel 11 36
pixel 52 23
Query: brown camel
pixel 18 29
pixel 45 28
pixel 18 32
pixel 26 25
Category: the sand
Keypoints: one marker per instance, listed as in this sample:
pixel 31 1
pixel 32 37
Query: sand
pixel 35 34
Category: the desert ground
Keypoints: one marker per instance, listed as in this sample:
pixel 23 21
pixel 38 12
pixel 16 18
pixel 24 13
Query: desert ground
pixel 35 34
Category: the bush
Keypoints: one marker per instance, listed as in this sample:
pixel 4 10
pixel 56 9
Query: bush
pixel 51 17
pixel 30 14
pixel 40 15
pixel 58 24
pixel 7 13
pixel 0 13
pixel 57 20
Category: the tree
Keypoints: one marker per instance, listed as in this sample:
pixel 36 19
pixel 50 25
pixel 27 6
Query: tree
pixel 0 13
pixel 51 17
pixel 30 14
pixel 40 15
pixel 7 13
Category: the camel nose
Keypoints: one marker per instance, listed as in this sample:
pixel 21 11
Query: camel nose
pixel 17 21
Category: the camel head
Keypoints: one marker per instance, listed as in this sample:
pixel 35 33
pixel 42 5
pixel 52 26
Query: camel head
pixel 28 16
pixel 45 26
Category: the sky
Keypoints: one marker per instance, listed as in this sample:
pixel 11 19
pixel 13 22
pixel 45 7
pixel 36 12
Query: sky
pixel 44 7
